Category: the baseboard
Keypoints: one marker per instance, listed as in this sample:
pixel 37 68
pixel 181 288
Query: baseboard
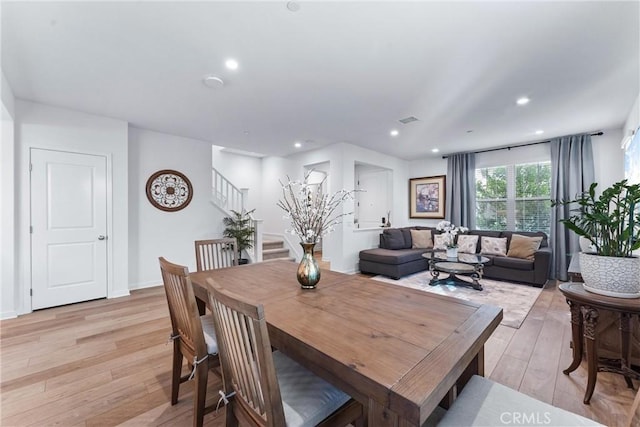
pixel 118 294
pixel 8 315
pixel 143 285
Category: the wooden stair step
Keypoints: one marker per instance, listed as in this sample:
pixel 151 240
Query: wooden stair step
pixel 275 253
pixel 272 244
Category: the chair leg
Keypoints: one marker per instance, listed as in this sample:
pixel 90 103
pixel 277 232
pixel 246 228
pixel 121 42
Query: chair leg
pixel 175 373
pixel 200 390
pixel 230 417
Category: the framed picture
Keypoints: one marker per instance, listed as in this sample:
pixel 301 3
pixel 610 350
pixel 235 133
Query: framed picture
pixel 427 197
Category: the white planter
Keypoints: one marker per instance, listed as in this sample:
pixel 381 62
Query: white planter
pixel 452 252
pixel 611 276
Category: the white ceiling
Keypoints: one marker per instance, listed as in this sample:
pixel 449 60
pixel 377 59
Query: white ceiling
pixel 333 71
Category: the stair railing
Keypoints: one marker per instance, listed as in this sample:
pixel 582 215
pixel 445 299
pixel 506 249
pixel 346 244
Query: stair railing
pixel 227 197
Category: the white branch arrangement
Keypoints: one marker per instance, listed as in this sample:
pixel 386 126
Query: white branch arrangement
pixel 312 212
pixel 450 231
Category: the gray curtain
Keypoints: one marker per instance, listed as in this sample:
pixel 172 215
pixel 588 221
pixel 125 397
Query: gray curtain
pixel 572 173
pixel 461 189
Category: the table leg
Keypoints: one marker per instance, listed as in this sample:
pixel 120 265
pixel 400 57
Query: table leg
pixel 590 316
pixel 625 348
pixel 576 336
pixel 379 416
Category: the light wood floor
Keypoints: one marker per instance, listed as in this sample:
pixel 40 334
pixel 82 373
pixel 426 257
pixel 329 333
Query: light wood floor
pixel 105 362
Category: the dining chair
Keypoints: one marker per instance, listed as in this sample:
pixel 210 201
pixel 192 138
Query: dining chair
pixel 483 402
pixel 216 253
pixel 193 337
pixel 268 388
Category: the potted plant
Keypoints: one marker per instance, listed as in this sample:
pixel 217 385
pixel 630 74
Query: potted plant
pixel 611 223
pixel 239 226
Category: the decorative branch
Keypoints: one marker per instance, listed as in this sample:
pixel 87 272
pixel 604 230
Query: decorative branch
pixel 312 213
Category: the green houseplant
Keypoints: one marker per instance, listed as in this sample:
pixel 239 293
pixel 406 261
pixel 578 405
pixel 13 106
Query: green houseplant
pixel 239 226
pixel 611 222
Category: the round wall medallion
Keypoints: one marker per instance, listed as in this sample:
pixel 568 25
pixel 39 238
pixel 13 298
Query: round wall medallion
pixel 169 190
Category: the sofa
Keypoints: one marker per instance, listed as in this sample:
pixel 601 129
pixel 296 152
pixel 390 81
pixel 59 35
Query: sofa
pixel 396 256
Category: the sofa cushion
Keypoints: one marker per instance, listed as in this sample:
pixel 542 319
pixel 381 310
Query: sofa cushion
pixel 481 233
pixel 467 243
pixel 421 239
pixel 543 244
pixel 406 235
pixel 391 256
pixel 523 247
pixel 392 238
pixel 513 263
pixel 493 245
pixel 440 242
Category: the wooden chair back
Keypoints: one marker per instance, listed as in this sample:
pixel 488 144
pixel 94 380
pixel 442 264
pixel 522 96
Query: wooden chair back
pixel 216 253
pixel 246 359
pixel 183 310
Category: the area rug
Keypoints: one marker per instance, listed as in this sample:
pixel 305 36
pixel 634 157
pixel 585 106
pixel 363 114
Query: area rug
pixel 515 299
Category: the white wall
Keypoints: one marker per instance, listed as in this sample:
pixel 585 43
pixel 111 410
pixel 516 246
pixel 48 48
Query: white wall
pixel 42 126
pixel 608 158
pixel 154 233
pixel 8 267
pixel 6 93
pixel 342 246
pixel 633 120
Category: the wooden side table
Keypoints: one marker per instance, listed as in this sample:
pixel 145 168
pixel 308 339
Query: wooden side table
pixel 584 308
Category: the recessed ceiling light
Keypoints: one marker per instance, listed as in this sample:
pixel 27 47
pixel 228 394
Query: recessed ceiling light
pixel 523 101
pixel 434 150
pixel 394 132
pixel 212 81
pixel 231 64
pixel 293 6
pixel 297 144
pixel 539 132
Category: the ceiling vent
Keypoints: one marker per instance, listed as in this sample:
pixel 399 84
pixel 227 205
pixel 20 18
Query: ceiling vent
pixel 408 120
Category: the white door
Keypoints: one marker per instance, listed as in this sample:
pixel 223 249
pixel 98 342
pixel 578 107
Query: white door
pixel 69 227
pixel 372 200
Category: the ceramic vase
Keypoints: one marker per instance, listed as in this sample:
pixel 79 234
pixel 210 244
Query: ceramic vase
pixel 308 271
pixel 452 252
pixel 611 276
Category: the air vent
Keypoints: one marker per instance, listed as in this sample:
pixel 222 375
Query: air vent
pixel 408 120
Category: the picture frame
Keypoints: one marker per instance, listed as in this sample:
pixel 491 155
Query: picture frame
pixel 427 197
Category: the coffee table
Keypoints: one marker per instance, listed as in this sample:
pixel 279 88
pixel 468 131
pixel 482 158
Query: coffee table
pixel 467 264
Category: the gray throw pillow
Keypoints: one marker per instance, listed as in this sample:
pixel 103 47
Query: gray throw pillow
pixel 394 239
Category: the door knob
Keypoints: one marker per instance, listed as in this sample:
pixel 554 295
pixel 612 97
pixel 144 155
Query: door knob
pixel 101 237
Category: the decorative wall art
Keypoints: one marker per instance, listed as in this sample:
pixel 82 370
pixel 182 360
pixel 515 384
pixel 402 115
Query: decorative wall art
pixel 169 190
pixel 427 197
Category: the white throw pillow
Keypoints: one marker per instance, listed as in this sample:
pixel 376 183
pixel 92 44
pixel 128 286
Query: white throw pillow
pixel 467 244
pixel 494 246
pixel 440 242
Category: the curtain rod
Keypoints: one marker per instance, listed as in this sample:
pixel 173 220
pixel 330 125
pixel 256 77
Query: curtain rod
pixel 518 146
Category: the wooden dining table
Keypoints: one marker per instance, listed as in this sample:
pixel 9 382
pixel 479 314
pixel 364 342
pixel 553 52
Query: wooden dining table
pixel 398 351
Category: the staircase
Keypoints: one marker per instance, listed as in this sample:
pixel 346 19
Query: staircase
pixel 227 197
pixel 274 249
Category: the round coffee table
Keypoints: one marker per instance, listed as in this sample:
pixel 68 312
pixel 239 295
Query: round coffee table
pixel 471 265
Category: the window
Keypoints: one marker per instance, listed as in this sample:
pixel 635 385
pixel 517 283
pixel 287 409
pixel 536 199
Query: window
pixel 514 197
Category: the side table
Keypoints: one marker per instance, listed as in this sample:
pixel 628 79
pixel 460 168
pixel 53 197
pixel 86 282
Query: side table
pixel 584 308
